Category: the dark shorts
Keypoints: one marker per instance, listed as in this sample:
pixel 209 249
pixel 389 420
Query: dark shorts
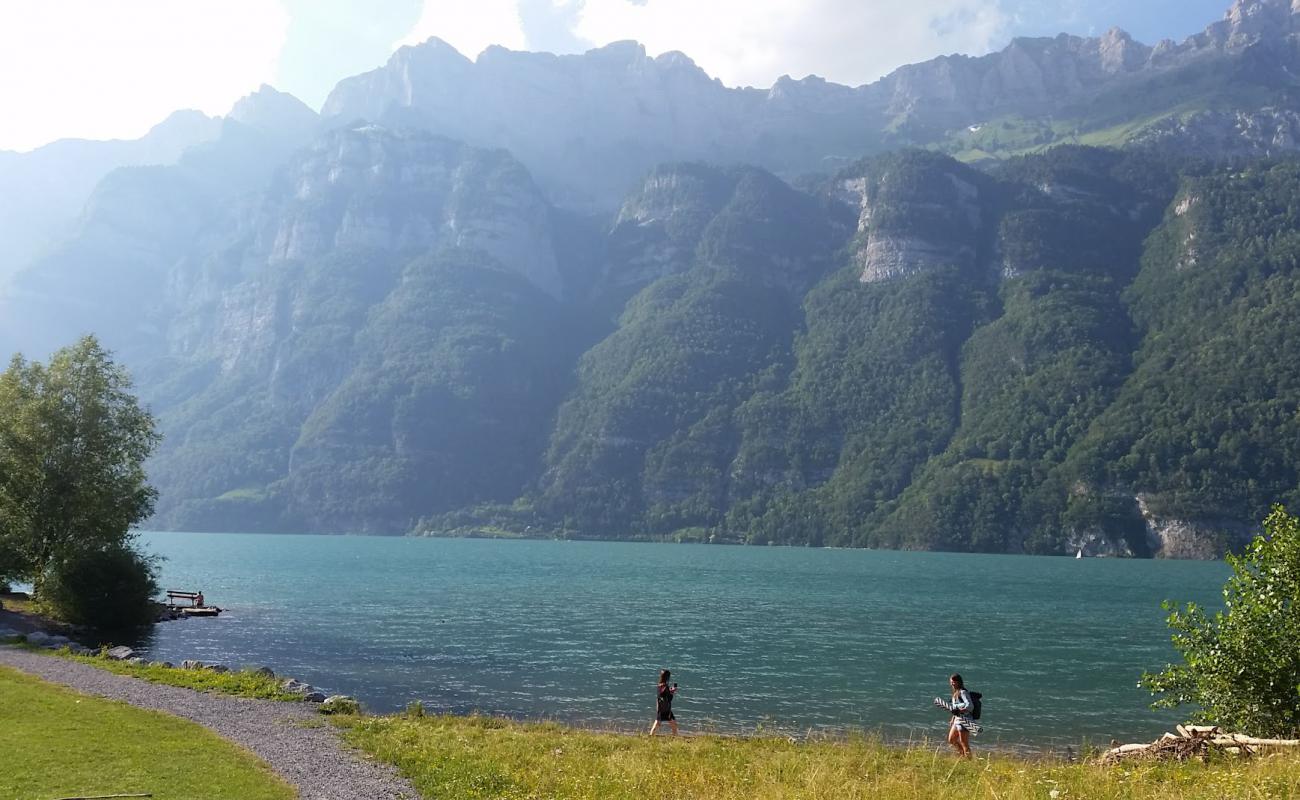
pixel 664 714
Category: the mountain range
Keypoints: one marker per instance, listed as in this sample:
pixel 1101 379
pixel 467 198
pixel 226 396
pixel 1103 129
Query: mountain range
pixel 1035 301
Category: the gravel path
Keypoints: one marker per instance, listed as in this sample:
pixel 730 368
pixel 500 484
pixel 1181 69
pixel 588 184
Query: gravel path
pixel 313 759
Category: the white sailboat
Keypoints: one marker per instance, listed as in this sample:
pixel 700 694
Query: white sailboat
pixel 1079 554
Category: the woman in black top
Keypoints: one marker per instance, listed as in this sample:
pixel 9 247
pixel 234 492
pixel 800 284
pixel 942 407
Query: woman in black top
pixel 664 703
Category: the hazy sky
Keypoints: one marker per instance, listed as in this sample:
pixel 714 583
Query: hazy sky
pixel 112 68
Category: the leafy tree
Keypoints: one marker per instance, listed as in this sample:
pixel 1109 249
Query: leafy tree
pixel 1242 666
pixel 73 441
pixel 108 589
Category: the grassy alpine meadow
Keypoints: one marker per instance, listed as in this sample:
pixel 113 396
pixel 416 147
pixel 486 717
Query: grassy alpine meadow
pixel 481 757
pixel 55 742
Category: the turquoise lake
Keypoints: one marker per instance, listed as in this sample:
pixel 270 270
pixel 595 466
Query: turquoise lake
pixel 773 639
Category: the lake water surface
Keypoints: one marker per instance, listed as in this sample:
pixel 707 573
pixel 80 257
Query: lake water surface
pixel 786 639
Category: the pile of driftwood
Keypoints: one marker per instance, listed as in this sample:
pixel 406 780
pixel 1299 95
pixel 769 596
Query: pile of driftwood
pixel 1195 741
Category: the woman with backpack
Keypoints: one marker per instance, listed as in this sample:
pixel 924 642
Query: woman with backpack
pixel 961 707
pixel 664 703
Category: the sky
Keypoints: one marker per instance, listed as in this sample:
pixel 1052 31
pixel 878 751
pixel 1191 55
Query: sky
pixel 102 69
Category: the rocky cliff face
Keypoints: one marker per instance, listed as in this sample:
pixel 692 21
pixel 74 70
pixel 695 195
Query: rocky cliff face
pixel 379 319
pixel 590 126
pixel 1192 539
pixel 917 215
pixel 1267 132
pixel 369 188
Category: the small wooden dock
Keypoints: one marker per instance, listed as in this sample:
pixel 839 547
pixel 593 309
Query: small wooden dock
pixel 197 607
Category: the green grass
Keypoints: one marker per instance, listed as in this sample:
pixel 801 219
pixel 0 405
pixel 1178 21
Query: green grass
pixel 477 757
pixel 21 605
pixel 57 743
pixel 241 684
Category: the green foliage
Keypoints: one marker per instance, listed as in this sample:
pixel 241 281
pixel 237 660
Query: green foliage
pixel 73 441
pixel 648 430
pixel 1206 424
pixel 642 446
pixel 1241 667
pixel 106 589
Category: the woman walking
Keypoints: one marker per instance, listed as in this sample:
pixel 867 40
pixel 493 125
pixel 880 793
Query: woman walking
pixel 963 725
pixel 664 703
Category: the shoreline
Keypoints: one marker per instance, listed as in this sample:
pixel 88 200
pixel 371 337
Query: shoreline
pixel 1066 753
pixel 505 536
pixel 1055 751
pixel 900 737
pixel 416 754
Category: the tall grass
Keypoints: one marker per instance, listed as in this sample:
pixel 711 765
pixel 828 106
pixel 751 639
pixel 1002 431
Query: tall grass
pixel 478 757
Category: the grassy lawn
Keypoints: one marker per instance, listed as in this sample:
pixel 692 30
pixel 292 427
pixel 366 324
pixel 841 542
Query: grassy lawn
pixel 456 757
pixel 57 743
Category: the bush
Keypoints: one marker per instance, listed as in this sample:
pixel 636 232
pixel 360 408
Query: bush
pixel 108 589
pixel 1242 666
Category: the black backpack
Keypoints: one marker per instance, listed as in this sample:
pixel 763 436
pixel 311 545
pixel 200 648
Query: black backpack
pixel 975 705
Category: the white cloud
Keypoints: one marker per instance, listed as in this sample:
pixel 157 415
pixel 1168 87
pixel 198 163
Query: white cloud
pixel 753 42
pixel 111 69
pixel 470 26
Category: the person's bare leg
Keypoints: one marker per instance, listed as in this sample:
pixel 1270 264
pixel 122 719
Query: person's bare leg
pixel 654 728
pixel 672 723
pixel 965 743
pixel 954 738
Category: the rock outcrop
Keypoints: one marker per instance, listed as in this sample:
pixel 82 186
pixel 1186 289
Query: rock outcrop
pixel 915 215
pixel 1192 539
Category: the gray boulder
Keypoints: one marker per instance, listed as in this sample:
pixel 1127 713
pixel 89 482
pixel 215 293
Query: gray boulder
pixel 218 668
pixel 265 672
pixel 191 664
pixel 120 653
pixel 7 633
pixel 135 660
pixel 166 664
pixel 314 697
pixel 340 704
pixel 295 686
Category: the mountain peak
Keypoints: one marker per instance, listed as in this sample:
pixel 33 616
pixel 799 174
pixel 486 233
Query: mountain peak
pixel 625 51
pixel 1248 21
pixel 431 54
pixel 270 109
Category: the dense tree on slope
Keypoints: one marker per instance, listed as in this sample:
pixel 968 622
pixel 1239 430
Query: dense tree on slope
pixel 73 441
pixel 1206 426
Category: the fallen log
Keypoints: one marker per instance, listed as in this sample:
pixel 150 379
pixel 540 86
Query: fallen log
pixel 1240 738
pixel 1195 741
